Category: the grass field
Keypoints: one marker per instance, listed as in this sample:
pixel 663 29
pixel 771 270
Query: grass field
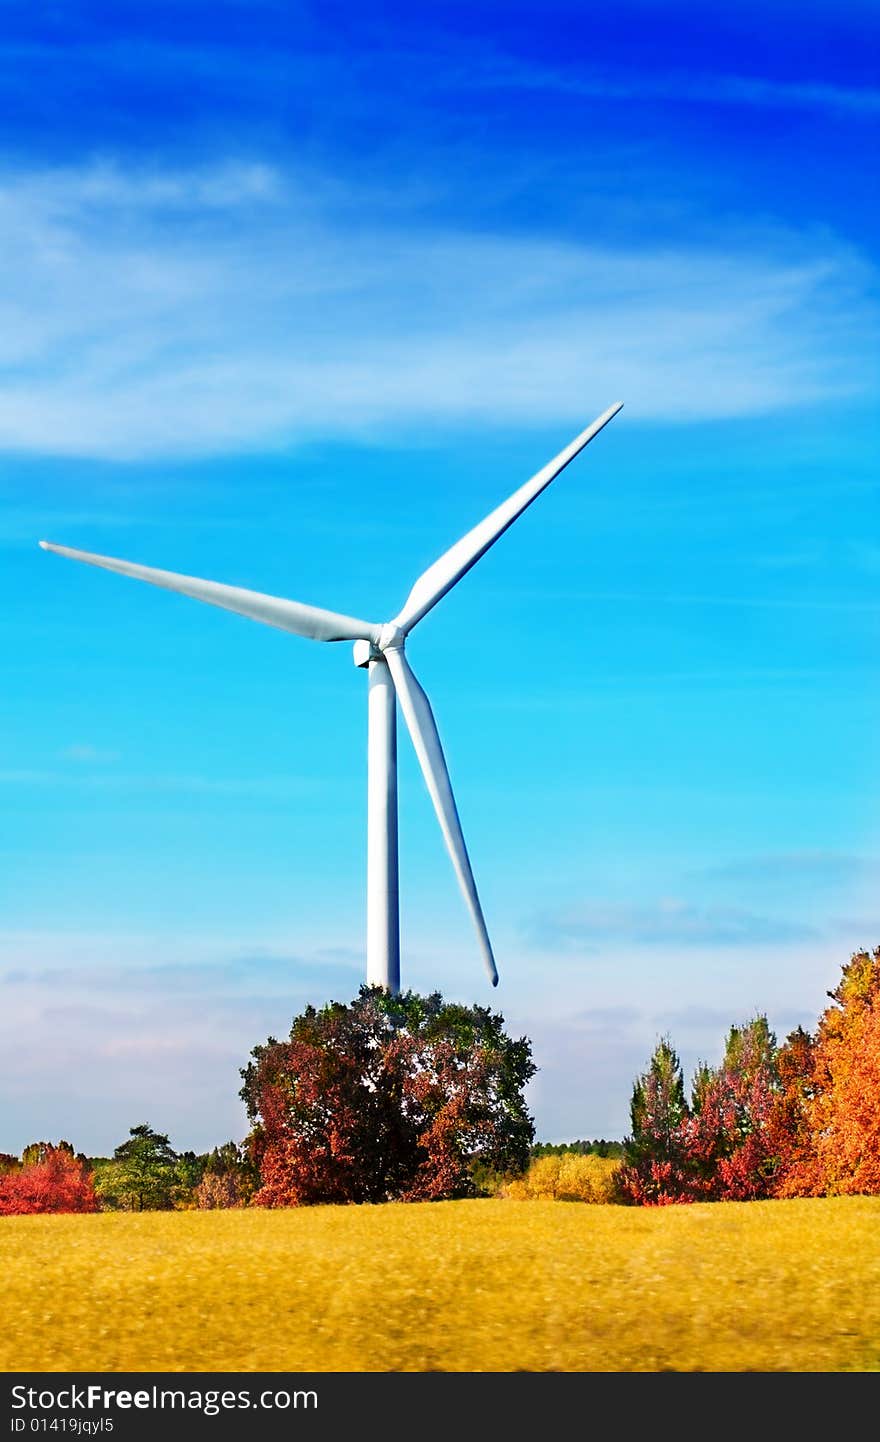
pixel 454 1286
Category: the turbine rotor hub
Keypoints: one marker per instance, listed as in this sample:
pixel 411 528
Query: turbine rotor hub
pixel 391 638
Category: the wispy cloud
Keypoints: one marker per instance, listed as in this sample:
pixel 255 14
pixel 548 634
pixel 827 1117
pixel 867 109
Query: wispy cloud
pixel 678 87
pixel 695 1018
pixel 609 1020
pixel 665 922
pixel 807 868
pixel 83 753
pixel 119 1044
pixel 80 778
pixel 149 313
pixel 262 974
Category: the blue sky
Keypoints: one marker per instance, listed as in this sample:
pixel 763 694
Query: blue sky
pixel 290 297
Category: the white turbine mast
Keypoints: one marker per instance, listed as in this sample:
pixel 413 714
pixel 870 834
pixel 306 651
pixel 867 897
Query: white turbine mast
pixel 380 650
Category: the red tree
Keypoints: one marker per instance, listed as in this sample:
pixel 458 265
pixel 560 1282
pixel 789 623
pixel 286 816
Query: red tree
pixel 656 1169
pixel 60 1182
pixel 730 1138
pixel 388 1097
pixel 720 1147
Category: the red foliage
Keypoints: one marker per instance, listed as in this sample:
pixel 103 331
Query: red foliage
pixel 58 1183
pixel 721 1147
pixel 802 1119
pixel 657 1167
pixel 388 1097
pixel 793 1138
pixel 445 1093
pixel 730 1138
pixel 654 1183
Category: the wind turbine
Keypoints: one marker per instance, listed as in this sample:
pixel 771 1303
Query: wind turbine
pixel 380 650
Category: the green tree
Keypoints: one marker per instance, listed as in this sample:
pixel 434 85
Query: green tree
pixel 189 1170
pixel 142 1175
pixel 654 1160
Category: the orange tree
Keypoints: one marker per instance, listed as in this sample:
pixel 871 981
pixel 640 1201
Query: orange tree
pixel 844 1110
pixel 387 1097
pixel 792 1137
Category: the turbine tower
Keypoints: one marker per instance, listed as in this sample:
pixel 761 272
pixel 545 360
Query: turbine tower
pixel 380 650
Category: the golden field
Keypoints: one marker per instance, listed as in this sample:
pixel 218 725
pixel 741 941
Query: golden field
pixel 452 1286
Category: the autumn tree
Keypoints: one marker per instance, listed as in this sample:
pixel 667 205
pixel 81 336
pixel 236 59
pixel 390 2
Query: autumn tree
pixel 724 1144
pixel 791 1122
pixel 218 1191
pixel 845 1106
pixel 731 1138
pixel 229 1178
pixel 387 1097
pixel 37 1152
pixel 655 1167
pixel 57 1181
pixel 142 1175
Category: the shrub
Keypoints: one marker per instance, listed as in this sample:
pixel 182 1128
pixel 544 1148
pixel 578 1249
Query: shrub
pixel 572 1178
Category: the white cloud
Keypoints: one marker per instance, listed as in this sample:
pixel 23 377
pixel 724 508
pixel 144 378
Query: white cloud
pixel 119 1043
pixel 150 314
pixel 84 753
pixel 667 921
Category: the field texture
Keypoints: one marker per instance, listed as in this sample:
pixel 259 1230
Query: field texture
pixel 454 1286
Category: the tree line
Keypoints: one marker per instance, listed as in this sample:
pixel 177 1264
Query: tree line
pixel 144 1174
pixel 416 1099
pixel 800 1119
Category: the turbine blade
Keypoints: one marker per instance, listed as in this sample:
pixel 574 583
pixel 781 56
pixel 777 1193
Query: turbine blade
pixel 422 728
pixel 433 584
pixel 302 620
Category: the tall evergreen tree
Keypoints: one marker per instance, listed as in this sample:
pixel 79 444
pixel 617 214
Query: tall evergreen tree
pixel 654 1165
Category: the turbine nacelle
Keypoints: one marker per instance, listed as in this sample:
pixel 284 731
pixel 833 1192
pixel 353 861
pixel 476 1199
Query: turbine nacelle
pixel 391 637
pixel 363 652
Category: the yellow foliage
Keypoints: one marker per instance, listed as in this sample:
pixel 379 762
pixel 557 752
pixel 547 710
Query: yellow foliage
pixel 472 1286
pixel 566 1178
